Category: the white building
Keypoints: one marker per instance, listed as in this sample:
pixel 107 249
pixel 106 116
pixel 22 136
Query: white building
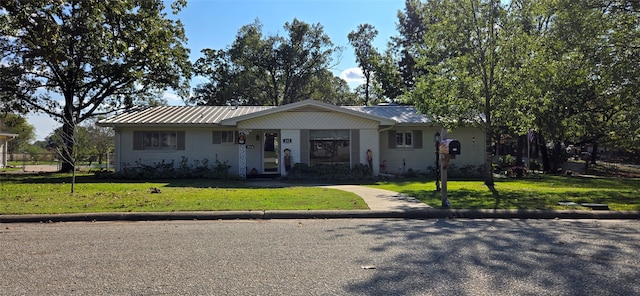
pixel 253 139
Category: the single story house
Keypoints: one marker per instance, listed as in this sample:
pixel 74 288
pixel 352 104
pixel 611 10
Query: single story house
pixel 267 140
pixel 4 143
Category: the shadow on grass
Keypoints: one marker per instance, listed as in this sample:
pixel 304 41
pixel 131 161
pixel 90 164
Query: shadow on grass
pixel 496 196
pixel 492 198
pixel 59 178
pixel 467 199
pixel 85 178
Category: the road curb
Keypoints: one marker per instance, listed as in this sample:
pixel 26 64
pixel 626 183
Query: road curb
pixel 327 214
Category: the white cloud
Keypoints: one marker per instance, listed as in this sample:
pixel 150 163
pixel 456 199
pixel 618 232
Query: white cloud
pixel 352 75
pixel 172 98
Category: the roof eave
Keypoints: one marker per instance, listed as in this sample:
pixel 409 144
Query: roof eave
pixel 310 102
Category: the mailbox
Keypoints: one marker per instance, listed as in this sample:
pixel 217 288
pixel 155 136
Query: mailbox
pixel 450 147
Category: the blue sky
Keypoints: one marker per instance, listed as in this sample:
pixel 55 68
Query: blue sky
pixel 215 23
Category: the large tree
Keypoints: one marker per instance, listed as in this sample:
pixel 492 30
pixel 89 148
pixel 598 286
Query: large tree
pixel 412 26
pixel 579 72
pixel 101 140
pixel 367 55
pixel 460 55
pixel 604 39
pixel 331 89
pixel 266 70
pixel 77 59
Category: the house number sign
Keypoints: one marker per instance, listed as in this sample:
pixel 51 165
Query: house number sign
pixel 286 141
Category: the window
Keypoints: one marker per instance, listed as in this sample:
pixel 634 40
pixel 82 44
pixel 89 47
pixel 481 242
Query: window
pixel 224 137
pixel 329 147
pixel 227 137
pixel 404 139
pixel 160 140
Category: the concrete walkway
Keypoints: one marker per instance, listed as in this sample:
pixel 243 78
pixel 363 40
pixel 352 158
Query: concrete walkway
pixel 383 200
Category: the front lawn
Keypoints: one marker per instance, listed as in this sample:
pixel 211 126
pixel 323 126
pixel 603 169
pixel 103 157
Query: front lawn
pixel 541 192
pixel 50 194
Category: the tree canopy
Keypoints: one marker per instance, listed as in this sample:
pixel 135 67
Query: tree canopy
pixel 366 55
pixel 269 70
pixel 565 69
pixel 77 59
pixel 16 124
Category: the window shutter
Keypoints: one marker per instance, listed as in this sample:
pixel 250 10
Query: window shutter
pixel 417 139
pixel 180 139
pixel 217 137
pixel 304 146
pixel 392 139
pixel 354 143
pixel 138 141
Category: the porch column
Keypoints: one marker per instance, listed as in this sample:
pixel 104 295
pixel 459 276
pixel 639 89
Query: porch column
pixel 242 155
pixel 4 145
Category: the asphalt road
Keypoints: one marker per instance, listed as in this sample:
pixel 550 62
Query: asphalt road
pixel 322 257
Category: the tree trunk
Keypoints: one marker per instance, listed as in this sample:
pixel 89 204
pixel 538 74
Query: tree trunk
pixel 519 149
pixel 366 90
pixel 68 140
pixel 546 166
pixel 556 156
pixel 488 157
pixel 536 149
pixel 594 153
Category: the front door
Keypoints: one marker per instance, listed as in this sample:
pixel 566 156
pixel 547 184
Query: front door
pixel 270 153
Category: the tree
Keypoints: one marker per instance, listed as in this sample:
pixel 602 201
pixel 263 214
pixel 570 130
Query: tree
pixel 82 146
pixel 583 59
pixel 603 39
pixel 101 140
pixel 98 56
pixel 366 55
pixel 59 140
pixel 328 88
pixel 266 70
pixel 460 58
pixel 412 26
pixel 13 123
pixel 388 79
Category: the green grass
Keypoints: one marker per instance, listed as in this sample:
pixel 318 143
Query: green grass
pixel 542 192
pixel 50 194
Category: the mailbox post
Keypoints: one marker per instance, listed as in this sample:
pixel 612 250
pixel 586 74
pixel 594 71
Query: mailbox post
pixel 448 150
pixel 443 171
pixel 436 140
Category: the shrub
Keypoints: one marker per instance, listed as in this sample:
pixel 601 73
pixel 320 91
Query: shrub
pixel 340 172
pixel 167 170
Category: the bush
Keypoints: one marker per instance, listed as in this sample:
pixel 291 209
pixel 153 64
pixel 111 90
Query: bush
pixel 167 170
pixel 535 165
pixel 339 172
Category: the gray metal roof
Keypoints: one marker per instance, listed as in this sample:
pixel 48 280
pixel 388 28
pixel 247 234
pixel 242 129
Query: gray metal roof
pixel 197 115
pixel 181 115
pixel 401 114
